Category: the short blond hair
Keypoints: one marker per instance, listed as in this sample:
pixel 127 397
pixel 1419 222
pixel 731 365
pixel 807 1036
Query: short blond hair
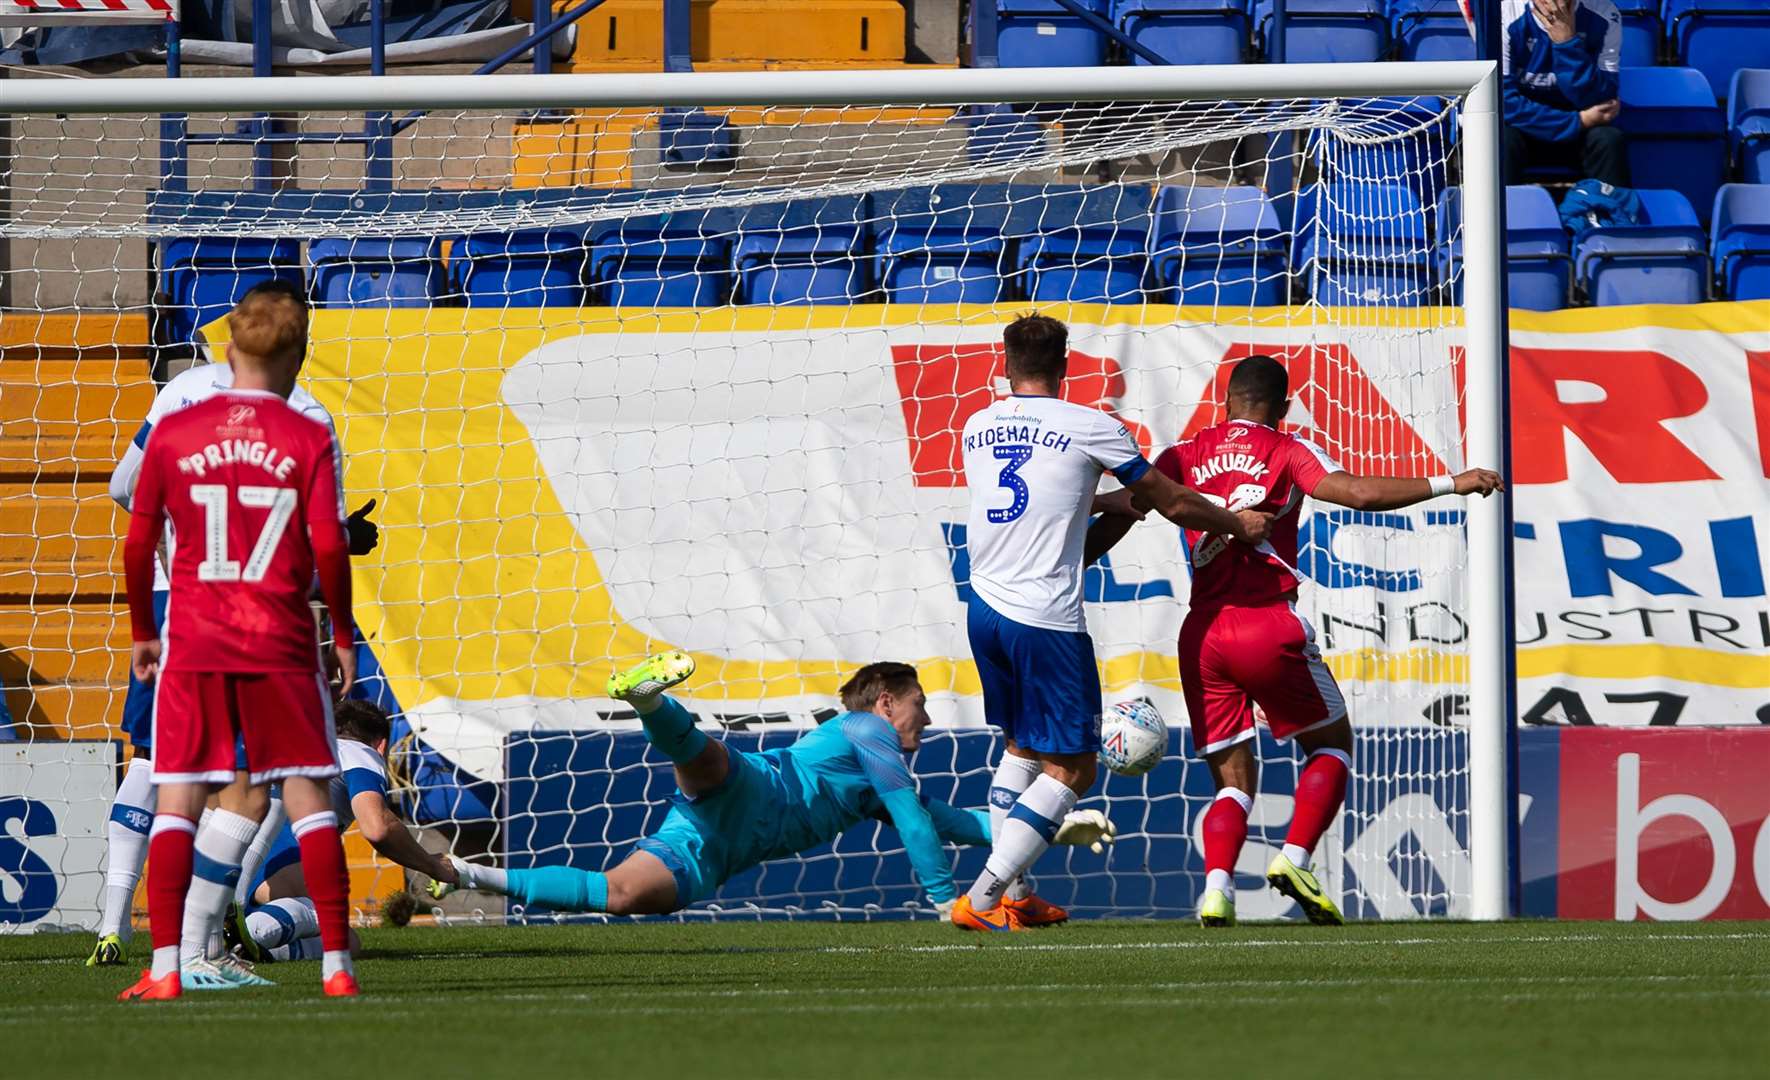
pixel 269 324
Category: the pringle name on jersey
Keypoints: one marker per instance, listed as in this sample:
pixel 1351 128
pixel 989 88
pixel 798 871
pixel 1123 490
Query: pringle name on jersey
pixel 1229 463
pixel 238 452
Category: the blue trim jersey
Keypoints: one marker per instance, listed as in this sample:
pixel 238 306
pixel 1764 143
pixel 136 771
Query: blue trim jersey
pixel 1544 84
pixel 360 769
pixel 1033 465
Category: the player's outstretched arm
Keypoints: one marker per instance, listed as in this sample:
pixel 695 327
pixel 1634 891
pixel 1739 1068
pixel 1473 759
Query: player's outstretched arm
pixel 967 828
pixel 1393 493
pixel 1117 512
pixel 921 842
pixel 388 835
pixel 331 557
pixel 1189 509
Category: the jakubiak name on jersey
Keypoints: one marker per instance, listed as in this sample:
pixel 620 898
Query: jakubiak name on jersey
pixel 1250 464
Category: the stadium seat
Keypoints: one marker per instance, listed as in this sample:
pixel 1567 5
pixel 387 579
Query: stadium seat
pixel 1363 244
pixel 1642 32
pixel 203 278
pixel 1431 30
pixel 376 272
pixel 1741 231
pixel 1748 121
pixel 802 252
pixel 1676 137
pixel 1086 244
pixel 1418 136
pixel 528 268
pixel 661 261
pixel 1538 266
pixel 1718 37
pixel 1043 33
pixel 1186 31
pixel 1327 31
pixel 942 245
pixel 1662 260
pixel 1218 247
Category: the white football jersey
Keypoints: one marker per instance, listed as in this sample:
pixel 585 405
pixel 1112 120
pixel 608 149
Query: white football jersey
pixel 188 387
pixel 360 769
pixel 1033 465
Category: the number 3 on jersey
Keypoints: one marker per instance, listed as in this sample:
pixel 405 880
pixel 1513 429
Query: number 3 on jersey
pixel 216 566
pixel 1015 455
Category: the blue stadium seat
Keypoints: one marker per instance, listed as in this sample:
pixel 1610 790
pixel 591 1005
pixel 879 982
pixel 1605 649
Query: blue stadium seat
pixel 1718 37
pixel 1418 136
pixel 1085 244
pixel 376 272
pixel 1186 31
pixel 203 278
pixel 1642 32
pixel 1539 267
pixel 1327 31
pixel 1431 30
pixel 1748 121
pixel 1043 33
pixel 1219 247
pixel 801 252
pixel 527 268
pixel 942 245
pixel 1662 260
pixel 1363 244
pixel 1676 134
pixel 1741 232
pixel 661 261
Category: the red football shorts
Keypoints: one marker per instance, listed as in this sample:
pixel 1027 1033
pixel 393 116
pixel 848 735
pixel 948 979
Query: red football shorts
pixel 283 718
pixel 1235 658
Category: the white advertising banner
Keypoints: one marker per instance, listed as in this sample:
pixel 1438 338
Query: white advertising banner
pixel 55 799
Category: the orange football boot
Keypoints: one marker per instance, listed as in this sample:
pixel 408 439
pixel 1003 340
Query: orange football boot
pixel 997 920
pixel 341 984
pixel 148 988
pixel 1033 912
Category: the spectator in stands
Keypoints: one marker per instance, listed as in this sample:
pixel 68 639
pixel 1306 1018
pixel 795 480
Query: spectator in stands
pixel 1560 60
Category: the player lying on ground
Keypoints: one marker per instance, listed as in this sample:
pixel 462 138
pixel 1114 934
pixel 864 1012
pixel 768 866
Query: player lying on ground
pixel 1033 463
pixel 133 808
pixel 253 487
pixel 286 926
pixel 1244 644
pixel 739 810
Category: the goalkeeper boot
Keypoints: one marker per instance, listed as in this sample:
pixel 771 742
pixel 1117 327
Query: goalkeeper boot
pixel 148 988
pixel 107 953
pixel 1216 909
pixel 1032 912
pixel 1300 885
pixel 997 920
pixel 651 676
pixel 239 939
pixel 214 975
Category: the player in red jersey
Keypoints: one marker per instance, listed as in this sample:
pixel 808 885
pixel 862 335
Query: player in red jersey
pixel 251 489
pixel 1245 645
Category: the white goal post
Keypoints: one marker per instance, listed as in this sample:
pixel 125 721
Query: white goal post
pixel 1305 93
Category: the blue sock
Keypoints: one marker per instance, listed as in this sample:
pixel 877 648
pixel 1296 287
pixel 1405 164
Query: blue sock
pixel 670 727
pixel 560 888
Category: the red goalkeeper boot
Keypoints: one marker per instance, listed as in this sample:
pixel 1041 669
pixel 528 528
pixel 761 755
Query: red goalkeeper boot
pixel 341 984
pixel 148 988
pixel 1032 912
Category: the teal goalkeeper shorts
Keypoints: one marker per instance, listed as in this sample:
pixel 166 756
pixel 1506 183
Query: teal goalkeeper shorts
pixel 710 839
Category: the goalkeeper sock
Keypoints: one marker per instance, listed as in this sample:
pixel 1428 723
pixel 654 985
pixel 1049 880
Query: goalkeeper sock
pixel 222 838
pixel 561 888
pixel 1013 776
pixel 1026 834
pixel 1321 790
pixel 670 728
pixel 1225 831
pixel 268 831
pixel 126 838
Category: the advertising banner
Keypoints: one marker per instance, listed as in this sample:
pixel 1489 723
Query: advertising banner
pixel 55 799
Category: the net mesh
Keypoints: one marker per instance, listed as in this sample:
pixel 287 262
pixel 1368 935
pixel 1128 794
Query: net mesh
pixel 622 380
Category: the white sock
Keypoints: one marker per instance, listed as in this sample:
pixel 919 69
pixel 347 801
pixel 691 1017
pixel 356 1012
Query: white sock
pixel 126 836
pixel 1025 835
pixel 1221 880
pixel 221 842
pixel 284 921
pixel 268 829
pixel 1013 776
pixel 307 948
pixel 648 704
pixel 1299 858
pixel 480 878
pixel 332 962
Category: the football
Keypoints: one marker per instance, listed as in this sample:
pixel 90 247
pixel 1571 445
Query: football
pixel 1133 738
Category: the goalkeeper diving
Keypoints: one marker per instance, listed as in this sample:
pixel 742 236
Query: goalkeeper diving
pixel 736 810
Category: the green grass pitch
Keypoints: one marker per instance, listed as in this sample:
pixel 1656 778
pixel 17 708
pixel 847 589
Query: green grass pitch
pixel 902 1000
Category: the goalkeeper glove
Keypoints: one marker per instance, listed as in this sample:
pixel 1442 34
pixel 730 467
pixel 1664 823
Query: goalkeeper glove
pixel 1089 827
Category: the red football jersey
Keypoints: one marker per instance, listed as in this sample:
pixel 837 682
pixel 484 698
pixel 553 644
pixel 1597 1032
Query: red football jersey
pixel 1246 466
pixel 251 488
